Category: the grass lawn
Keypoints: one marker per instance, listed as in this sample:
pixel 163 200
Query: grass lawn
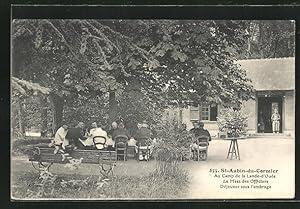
pixel 70 186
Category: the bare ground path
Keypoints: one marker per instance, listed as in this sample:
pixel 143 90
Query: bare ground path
pixel 258 153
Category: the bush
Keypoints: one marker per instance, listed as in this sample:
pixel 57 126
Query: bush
pixel 233 122
pixel 172 143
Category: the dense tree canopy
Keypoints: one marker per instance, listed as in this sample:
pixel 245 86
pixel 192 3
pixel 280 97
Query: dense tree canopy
pixel 164 60
pixel 270 39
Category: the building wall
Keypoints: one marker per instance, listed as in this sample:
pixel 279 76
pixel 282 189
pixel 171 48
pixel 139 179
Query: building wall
pixel 289 113
pixel 250 108
pixel 211 126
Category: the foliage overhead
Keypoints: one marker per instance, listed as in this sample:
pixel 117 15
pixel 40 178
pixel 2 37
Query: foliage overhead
pixel 22 87
pixel 197 59
pixel 85 56
pixel 270 39
pixel 73 56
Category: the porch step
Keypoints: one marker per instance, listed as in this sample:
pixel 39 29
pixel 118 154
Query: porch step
pixel 270 135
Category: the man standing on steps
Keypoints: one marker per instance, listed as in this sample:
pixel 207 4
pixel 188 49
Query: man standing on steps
pixel 275 121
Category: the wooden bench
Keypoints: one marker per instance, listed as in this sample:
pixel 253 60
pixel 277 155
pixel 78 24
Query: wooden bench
pixel 44 157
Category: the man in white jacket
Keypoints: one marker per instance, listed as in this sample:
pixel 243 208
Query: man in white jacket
pixel 60 137
pixel 94 132
pixel 275 121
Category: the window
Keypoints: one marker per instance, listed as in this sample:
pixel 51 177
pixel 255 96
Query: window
pixel 204 112
pixel 194 113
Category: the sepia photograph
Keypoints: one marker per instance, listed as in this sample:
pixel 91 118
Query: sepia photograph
pixel 152 109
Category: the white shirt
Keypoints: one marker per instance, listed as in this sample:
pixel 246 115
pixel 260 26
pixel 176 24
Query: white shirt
pixel 132 142
pixel 94 132
pixel 60 136
pixel 275 117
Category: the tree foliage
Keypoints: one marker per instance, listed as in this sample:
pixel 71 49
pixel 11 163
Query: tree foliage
pixel 270 39
pixel 23 87
pixel 233 122
pixel 166 60
pixel 197 61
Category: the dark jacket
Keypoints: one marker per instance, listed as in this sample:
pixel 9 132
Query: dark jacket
pixel 120 131
pixel 110 132
pixel 75 134
pixel 142 133
pixel 200 132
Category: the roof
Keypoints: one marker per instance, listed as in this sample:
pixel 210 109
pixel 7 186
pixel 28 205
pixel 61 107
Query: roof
pixel 270 74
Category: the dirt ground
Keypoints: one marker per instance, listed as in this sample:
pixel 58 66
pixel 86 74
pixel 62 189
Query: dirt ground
pixel 256 153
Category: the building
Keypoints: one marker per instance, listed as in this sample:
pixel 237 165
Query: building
pixel 274 84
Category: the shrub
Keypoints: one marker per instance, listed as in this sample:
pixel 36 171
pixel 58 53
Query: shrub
pixel 172 143
pixel 233 122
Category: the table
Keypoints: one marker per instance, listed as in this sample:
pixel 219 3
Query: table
pixel 233 151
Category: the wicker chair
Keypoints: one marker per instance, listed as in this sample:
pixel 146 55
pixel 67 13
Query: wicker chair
pixel 144 148
pixel 99 142
pixel 202 143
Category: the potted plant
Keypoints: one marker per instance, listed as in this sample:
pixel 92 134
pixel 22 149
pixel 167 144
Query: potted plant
pixel 233 122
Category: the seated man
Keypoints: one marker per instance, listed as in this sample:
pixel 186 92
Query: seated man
pixel 59 138
pixel 62 143
pixel 121 130
pixel 131 151
pixel 132 142
pixel 197 131
pixel 114 126
pixel 110 143
pixel 121 144
pixel 93 140
pixel 143 135
pixel 74 134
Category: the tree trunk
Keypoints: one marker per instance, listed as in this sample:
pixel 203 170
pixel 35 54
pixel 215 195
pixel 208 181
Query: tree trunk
pixel 113 107
pixel 44 115
pixel 261 40
pixel 180 121
pixel 20 116
pixel 275 48
pixel 180 117
pixel 57 111
pixel 249 48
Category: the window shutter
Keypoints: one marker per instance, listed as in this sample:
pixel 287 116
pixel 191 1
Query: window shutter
pixel 213 112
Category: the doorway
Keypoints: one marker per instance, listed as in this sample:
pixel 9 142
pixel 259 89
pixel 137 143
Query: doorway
pixel 266 107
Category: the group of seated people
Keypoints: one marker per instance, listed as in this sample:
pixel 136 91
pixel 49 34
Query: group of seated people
pixel 98 138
